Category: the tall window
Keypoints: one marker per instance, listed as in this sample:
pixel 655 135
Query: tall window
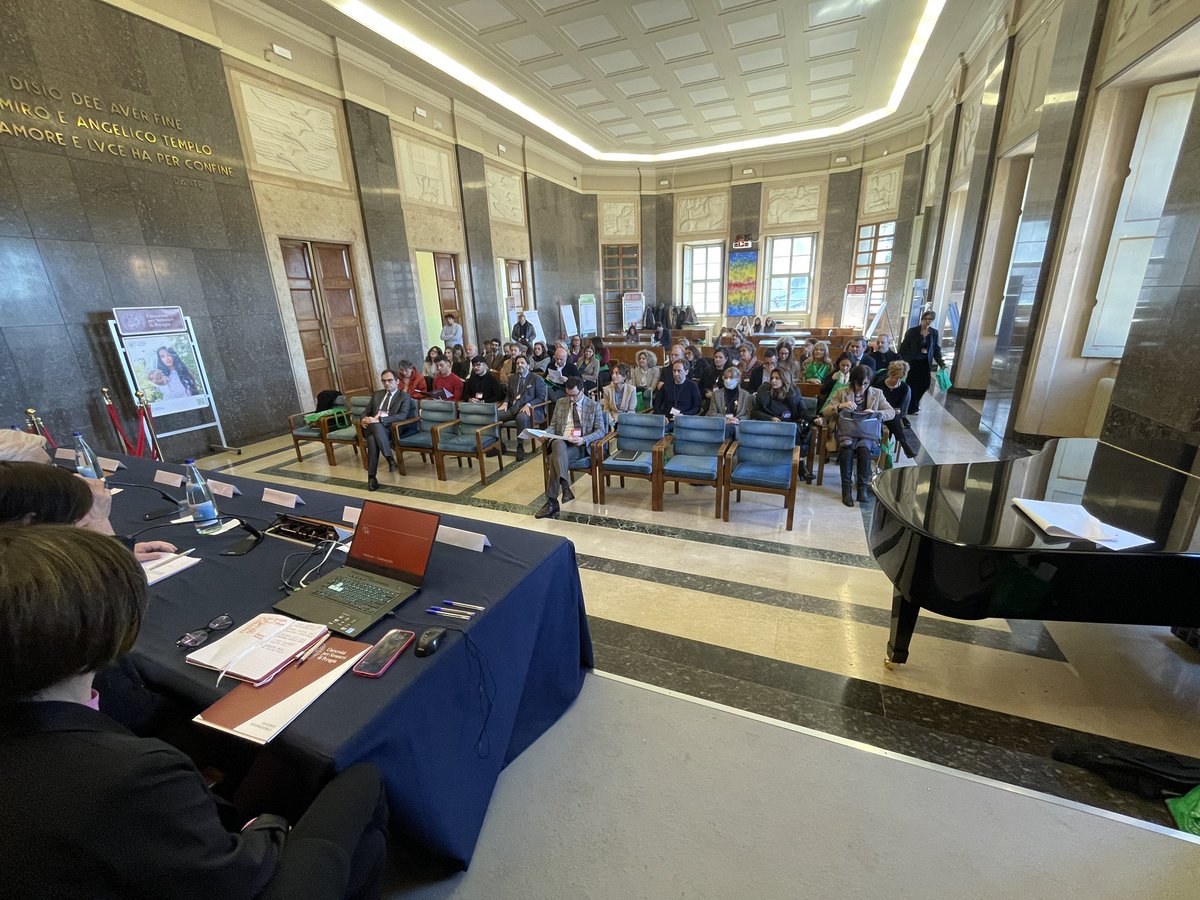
pixel 704 277
pixel 873 261
pixel 790 273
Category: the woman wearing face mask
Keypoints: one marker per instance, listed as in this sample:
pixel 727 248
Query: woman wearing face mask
pixel 855 453
pixel 731 401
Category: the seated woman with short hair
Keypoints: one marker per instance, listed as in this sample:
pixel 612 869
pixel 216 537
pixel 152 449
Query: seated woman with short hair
pixel 87 809
pixel 730 400
pixel 645 377
pixel 898 395
pixel 619 396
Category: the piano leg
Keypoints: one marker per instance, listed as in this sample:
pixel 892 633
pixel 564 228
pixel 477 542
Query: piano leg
pixel 904 621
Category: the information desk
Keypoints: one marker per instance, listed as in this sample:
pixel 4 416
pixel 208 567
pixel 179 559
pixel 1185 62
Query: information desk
pixel 424 723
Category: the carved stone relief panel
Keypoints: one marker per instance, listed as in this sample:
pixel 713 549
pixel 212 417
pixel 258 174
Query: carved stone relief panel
pixel 792 204
pixel 931 173
pixel 968 126
pixel 1030 75
pixel 291 134
pixel 881 191
pixel 1135 17
pixel 619 218
pixel 426 174
pixel 506 202
pixel 701 214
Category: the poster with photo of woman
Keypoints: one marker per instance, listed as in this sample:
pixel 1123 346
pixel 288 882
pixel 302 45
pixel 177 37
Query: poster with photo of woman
pixel 164 367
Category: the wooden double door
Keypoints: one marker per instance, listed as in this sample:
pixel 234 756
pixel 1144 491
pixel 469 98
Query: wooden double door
pixel 328 315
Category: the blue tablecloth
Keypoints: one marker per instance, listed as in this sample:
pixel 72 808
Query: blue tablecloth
pixel 426 723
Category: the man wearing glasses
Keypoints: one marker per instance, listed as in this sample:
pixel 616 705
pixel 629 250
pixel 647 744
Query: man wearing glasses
pixel 386 407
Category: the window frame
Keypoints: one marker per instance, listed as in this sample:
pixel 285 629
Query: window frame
pixel 769 274
pixel 687 282
pixel 876 292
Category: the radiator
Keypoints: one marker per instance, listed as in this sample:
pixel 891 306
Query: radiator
pixel 1100 401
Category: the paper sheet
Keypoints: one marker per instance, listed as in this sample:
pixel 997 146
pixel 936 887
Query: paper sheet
pixel 1070 520
pixel 164 567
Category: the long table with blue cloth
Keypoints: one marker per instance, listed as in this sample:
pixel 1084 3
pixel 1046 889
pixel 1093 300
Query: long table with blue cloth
pixel 427 723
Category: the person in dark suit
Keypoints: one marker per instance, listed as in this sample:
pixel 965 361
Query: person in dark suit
pixel 482 386
pixel 523 332
pixel 679 396
pixel 387 406
pixel 89 810
pixel 856 352
pixel 526 390
pixel 922 350
pixel 580 420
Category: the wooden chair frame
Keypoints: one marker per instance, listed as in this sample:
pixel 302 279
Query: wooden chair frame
pixel 359 445
pixel 655 476
pixel 717 484
pixel 479 452
pixel 592 469
pixel 788 493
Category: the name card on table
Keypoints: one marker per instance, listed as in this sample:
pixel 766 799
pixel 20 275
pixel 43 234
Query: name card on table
pixel 66 453
pixel 170 479
pixel 221 489
pixel 468 540
pixel 111 465
pixel 225 526
pixel 281 498
pixel 350 514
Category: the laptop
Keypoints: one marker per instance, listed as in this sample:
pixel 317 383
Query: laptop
pixel 385 566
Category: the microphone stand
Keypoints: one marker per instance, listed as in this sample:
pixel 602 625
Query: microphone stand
pixel 150 517
pixel 241 548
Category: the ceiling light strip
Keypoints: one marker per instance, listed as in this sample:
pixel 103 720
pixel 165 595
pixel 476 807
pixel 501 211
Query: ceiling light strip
pixel 406 40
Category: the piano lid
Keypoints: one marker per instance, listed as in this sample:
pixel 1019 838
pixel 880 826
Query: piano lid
pixel 971 503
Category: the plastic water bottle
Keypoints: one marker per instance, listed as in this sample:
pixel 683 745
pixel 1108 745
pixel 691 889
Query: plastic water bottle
pixel 87 463
pixel 200 501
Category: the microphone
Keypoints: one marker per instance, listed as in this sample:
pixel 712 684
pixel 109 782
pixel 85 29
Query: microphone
pixel 149 517
pixel 241 548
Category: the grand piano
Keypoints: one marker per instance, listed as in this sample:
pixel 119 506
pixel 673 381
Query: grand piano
pixel 951 541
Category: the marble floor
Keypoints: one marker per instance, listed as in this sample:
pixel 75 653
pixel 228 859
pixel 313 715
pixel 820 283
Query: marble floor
pixel 793 625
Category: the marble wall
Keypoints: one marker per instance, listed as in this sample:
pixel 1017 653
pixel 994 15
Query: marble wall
pixel 141 218
pixel 1069 82
pixel 903 249
pixel 375 169
pixel 664 251
pixel 565 243
pixel 937 184
pixel 648 244
pixel 481 261
pixel 1155 410
pixel 841 230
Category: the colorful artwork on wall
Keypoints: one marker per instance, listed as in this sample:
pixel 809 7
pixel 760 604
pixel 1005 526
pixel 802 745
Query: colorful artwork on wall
pixel 743 282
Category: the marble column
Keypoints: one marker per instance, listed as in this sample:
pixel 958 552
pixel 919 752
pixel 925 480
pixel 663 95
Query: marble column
pixel 400 310
pixel 935 212
pixel 664 251
pixel 1044 210
pixel 648 249
pixel 902 248
pixel 979 192
pixel 477 225
pixel 1155 409
pixel 564 242
pixel 840 235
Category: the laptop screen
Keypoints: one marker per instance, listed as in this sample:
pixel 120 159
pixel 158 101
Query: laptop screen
pixel 393 541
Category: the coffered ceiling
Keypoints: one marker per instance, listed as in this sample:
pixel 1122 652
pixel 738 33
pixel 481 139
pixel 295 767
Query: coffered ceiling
pixel 651 80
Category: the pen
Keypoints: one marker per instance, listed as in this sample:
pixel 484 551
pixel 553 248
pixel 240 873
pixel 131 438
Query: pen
pixel 463 605
pixel 311 650
pixel 448 615
pixel 457 612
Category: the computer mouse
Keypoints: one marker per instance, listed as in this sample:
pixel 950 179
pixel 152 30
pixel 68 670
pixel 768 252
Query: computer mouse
pixel 429 641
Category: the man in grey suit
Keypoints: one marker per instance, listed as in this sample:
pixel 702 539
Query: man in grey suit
pixel 579 419
pixel 526 389
pixel 386 407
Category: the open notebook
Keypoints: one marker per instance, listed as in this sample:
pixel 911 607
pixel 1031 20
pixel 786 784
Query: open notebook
pixel 258 650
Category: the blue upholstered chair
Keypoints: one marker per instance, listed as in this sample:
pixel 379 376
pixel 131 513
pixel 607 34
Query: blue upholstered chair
pixel 432 416
pixel 763 458
pixel 639 434
pixel 697 456
pixel 475 434
pixel 588 463
pixel 339 428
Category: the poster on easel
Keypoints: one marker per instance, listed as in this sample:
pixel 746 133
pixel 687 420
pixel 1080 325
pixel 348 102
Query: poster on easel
pixel 587 315
pixel 633 307
pixel 567 311
pixel 161 359
pixel 854 306
pixel 742 289
pixel 532 317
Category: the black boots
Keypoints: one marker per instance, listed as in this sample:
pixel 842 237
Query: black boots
pixel 862 492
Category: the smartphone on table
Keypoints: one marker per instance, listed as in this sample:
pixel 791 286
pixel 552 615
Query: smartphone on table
pixel 384 653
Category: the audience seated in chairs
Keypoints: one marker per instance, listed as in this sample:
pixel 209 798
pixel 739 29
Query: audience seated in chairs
pixel 524 401
pixel 837 379
pixel 661 336
pixel 386 408
pixel 409 379
pixel 746 359
pixel 780 401
pixel 19 485
pixel 460 365
pixel 580 421
pixel 482 386
pixel 761 373
pixel 769 325
pixel 898 394
pixel 679 396
pixel 559 370
pixel 89 809
pixel 855 453
pixel 446 385
pixel 492 353
pixel 785 359
pixel 645 376
pixel 602 353
pixel 731 401
pixel 701 371
pixel 589 368
pixel 429 366
pixel 884 353
pixel 509 366
pixel 856 352
pixel 539 360
pixel 575 350
pixel 619 396
pixel 523 332
pixel 819 366
pixel 631 333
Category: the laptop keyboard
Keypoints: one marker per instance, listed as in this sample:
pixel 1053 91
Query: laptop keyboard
pixel 361 595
